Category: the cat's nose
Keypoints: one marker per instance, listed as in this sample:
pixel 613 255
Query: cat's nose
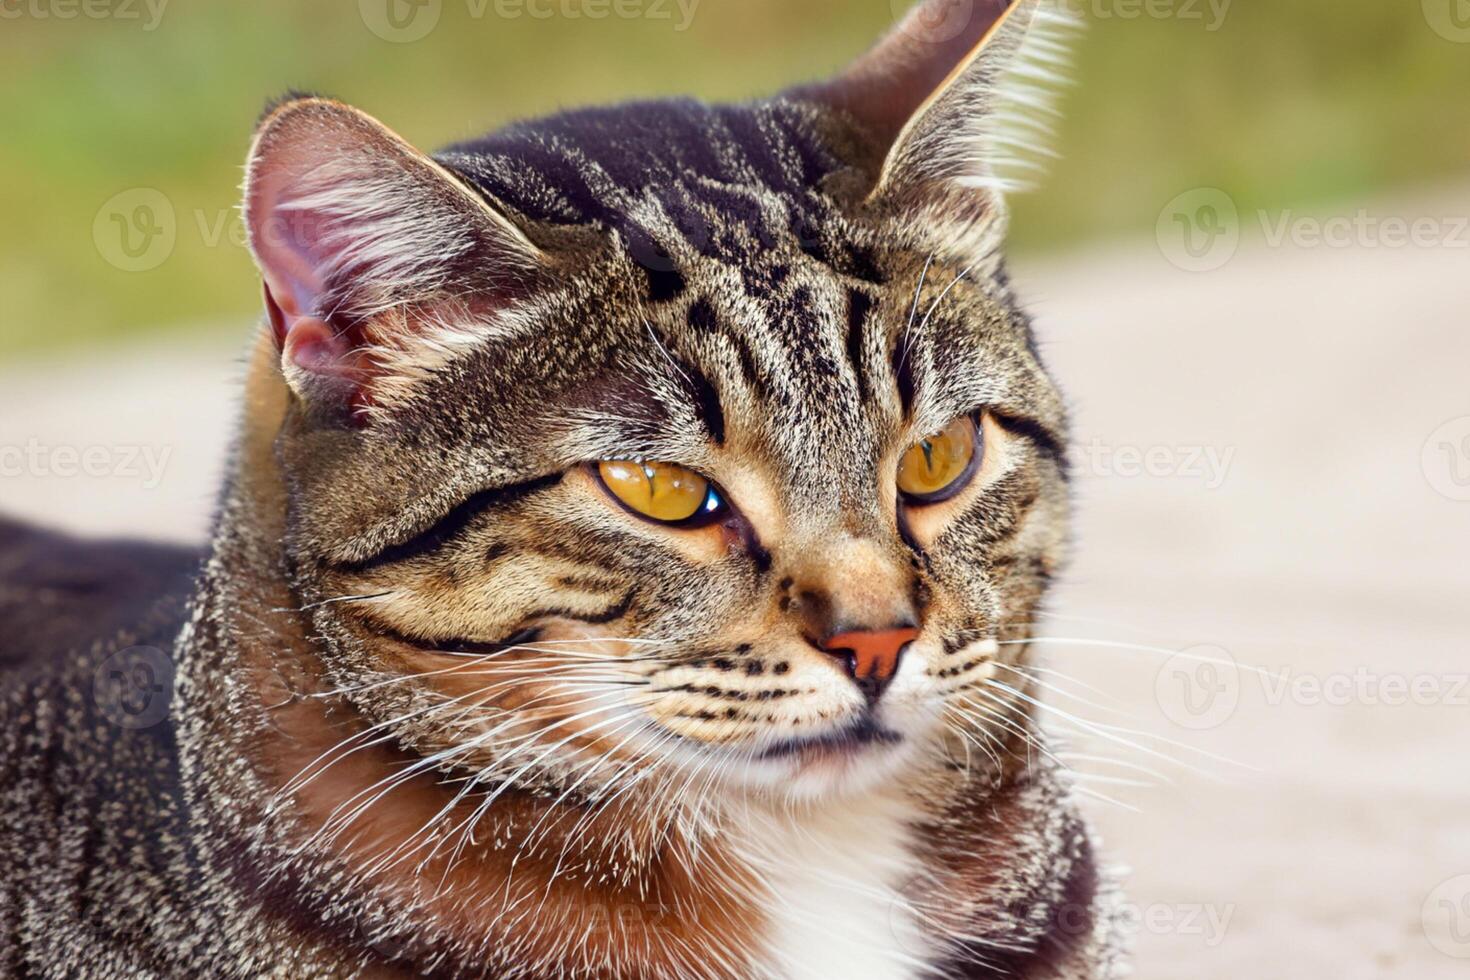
pixel 870 656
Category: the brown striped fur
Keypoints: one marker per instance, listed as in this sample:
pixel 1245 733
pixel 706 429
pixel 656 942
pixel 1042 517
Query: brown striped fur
pixel 444 707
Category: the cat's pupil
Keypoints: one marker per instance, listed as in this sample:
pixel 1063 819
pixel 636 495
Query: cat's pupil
pixel 928 448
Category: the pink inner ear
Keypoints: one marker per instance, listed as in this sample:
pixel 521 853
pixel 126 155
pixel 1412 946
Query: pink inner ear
pixel 296 246
pixel 312 344
pixel 287 244
pixel 305 215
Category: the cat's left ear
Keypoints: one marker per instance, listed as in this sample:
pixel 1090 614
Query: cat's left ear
pixel 957 100
pixel 366 246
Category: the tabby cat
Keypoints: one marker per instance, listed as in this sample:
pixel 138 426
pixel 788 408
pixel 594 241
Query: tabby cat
pixel 624 569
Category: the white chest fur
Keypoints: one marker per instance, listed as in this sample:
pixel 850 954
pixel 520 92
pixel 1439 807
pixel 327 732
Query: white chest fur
pixel 835 877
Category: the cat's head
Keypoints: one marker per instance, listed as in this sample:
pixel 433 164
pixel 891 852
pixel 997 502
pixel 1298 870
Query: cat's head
pixel 679 440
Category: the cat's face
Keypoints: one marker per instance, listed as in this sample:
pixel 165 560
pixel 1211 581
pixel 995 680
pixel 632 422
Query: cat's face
pixel 690 458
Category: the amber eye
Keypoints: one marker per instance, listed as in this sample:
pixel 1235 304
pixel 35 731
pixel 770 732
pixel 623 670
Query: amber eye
pixel 939 466
pixel 660 492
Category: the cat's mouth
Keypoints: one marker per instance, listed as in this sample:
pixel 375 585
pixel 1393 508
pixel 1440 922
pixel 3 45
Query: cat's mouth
pixel 860 734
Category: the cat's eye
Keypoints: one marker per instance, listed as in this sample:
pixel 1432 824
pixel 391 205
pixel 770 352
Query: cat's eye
pixel 661 492
pixel 940 465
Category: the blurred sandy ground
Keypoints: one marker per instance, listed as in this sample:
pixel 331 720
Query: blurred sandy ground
pixel 1290 519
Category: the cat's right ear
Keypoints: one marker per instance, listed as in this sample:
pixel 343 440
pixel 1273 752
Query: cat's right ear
pixel 954 100
pixel 358 235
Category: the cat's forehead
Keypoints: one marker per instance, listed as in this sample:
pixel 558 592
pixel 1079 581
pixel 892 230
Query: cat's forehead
pixel 610 165
pixel 775 349
pixel 777 355
pixel 671 179
pixel 731 298
pixel 717 214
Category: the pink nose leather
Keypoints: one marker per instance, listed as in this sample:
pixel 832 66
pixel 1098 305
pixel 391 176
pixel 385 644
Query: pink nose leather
pixel 871 656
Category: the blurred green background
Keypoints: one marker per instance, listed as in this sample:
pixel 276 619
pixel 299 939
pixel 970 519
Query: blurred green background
pixel 1303 104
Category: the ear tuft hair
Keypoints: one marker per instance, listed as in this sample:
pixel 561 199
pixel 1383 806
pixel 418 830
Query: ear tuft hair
pixel 961 96
pixel 1003 117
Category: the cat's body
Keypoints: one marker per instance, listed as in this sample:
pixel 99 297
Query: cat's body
pixel 103 873
pixel 445 700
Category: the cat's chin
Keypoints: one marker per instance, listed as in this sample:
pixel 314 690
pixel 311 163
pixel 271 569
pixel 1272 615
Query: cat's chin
pixel 823 771
pixel 865 754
